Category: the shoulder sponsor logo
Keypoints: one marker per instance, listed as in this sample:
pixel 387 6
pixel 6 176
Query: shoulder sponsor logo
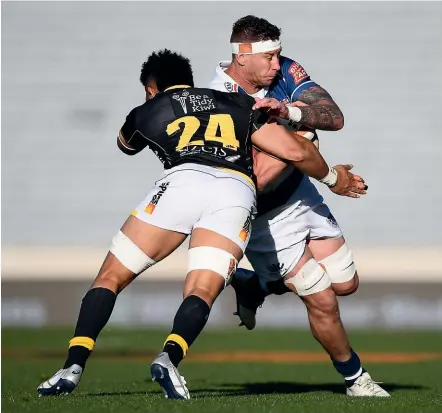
pixel 298 72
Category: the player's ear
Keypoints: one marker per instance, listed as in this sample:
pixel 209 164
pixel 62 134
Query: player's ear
pixel 150 92
pixel 151 89
pixel 241 59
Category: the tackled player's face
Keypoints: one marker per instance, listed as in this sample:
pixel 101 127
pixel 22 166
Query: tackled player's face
pixel 261 68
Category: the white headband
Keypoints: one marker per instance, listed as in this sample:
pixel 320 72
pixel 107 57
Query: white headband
pixel 255 47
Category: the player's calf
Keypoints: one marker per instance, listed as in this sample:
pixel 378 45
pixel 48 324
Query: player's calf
pixel 209 270
pixel 201 288
pixel 328 330
pixel 189 321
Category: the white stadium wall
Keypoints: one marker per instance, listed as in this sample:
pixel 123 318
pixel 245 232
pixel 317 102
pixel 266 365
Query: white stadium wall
pixel 70 76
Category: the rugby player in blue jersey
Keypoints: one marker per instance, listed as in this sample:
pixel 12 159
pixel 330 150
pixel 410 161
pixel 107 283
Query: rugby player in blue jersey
pixel 296 244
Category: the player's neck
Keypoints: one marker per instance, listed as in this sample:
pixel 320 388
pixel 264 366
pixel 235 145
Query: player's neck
pixel 238 77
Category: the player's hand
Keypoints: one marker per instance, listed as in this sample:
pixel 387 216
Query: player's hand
pixel 273 107
pixel 348 184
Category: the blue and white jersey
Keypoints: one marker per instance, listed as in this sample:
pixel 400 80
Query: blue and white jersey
pixel 291 80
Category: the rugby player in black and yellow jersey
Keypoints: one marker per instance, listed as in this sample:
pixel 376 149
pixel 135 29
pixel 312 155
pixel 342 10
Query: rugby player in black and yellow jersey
pixel 208 191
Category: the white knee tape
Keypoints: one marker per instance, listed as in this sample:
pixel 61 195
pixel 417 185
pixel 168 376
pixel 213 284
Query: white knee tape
pixel 214 259
pixel 129 254
pixel 340 265
pixel 310 279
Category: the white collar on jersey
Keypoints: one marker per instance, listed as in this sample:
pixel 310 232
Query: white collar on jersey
pixel 231 85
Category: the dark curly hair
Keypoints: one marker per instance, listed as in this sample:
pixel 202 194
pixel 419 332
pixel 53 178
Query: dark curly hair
pixel 253 29
pixel 167 69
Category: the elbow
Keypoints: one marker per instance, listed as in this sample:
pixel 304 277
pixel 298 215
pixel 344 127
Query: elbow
pixel 128 152
pixel 338 123
pixel 298 154
pixel 125 149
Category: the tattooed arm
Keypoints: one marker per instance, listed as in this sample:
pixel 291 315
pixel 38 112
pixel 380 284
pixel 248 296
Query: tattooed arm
pixel 322 112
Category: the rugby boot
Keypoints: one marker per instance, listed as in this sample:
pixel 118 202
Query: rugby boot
pixel 169 378
pixel 365 386
pixel 63 382
pixel 249 296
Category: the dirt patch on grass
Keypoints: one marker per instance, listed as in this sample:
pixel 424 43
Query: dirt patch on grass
pixel 233 356
pixel 308 357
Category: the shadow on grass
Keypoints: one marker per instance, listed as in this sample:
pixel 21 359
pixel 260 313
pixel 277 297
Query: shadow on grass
pixel 279 387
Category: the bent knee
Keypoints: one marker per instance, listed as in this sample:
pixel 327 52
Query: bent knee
pixel 113 276
pixel 206 293
pixel 348 287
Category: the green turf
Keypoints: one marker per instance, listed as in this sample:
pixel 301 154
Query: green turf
pixel 124 385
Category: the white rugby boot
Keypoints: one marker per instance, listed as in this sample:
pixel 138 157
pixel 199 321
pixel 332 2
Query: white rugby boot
pixel 365 386
pixel 169 378
pixel 63 382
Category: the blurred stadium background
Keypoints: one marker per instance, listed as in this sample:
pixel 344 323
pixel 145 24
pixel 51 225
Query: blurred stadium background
pixel 70 76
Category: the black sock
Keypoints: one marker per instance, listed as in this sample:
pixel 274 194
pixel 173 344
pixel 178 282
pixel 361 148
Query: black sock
pixel 95 311
pixel 189 321
pixel 350 369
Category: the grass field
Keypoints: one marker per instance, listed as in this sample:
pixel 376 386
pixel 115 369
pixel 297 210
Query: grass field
pixel 226 371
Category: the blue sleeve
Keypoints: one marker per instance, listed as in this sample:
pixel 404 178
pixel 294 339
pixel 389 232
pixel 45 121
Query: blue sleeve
pixel 295 77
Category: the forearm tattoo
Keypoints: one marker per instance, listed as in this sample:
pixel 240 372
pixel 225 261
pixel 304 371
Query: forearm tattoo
pixel 323 113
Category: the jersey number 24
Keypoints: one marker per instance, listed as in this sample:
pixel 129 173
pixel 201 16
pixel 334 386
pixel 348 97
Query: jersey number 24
pixel 189 125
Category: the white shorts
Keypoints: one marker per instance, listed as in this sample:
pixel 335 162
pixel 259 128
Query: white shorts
pixel 279 237
pixel 195 196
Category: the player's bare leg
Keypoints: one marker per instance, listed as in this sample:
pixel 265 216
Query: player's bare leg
pixel 322 308
pixel 327 328
pixel 138 245
pixel 201 288
pixel 332 253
